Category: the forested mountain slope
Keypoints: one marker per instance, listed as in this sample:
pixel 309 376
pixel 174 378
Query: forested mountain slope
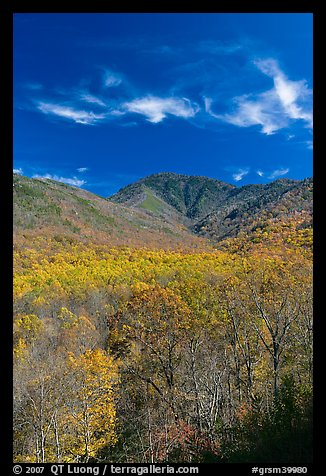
pixel 47 207
pixel 171 323
pixel 192 196
pixel 217 210
pixel 163 210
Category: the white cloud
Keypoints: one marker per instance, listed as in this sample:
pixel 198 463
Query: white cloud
pixel 262 111
pixel 273 109
pixel 111 79
pixel 156 108
pixel 260 173
pixel 90 98
pixel 237 176
pixel 208 108
pixel 78 116
pixel 248 113
pixel 116 112
pixel 267 66
pixel 278 173
pixel 18 171
pixel 74 181
pixel 82 169
pixel 288 92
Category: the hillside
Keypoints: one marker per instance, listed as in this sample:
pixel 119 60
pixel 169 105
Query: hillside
pixel 217 210
pixel 161 310
pixel 262 206
pixel 49 208
pixel 192 196
pixel 168 211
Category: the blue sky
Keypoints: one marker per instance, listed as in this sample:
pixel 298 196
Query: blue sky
pixel 101 100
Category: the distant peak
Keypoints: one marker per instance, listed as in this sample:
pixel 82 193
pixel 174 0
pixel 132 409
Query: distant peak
pixel 177 176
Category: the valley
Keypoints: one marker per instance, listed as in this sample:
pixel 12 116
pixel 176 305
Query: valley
pixel 170 322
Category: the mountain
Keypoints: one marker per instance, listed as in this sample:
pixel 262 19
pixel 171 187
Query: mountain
pixel 165 210
pixel 192 196
pixel 49 208
pixel 217 210
pixel 252 206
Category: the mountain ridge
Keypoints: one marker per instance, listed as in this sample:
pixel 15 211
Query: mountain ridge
pixel 161 210
pixel 188 194
pixel 50 208
pixel 216 209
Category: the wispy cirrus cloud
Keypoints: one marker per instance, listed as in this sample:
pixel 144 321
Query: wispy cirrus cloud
pixel 91 99
pixel 240 174
pixel 274 174
pixel 155 109
pixel 278 173
pixel 68 112
pixel 262 111
pixel 211 47
pixel 74 181
pixel 272 110
pixel 112 79
pixel 289 93
pixel 82 169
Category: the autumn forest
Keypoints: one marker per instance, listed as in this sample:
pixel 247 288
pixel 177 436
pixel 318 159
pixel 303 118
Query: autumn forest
pixel 171 322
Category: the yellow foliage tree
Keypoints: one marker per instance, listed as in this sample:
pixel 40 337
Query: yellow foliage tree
pixel 92 411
